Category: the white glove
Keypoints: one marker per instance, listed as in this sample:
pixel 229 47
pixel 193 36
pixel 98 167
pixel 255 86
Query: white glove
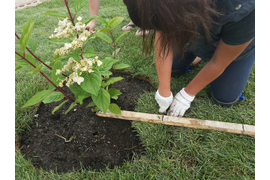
pixel 180 104
pixel 163 102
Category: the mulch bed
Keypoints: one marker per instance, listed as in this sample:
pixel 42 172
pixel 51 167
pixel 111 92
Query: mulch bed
pixel 95 142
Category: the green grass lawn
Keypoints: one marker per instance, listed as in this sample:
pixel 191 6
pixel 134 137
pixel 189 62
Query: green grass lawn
pixel 171 152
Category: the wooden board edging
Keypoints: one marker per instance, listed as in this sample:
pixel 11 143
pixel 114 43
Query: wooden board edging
pixel 183 122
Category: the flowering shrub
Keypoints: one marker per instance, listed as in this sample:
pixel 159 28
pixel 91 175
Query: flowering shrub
pixel 73 65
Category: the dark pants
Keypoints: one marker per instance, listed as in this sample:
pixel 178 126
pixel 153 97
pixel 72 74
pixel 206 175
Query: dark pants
pixel 227 87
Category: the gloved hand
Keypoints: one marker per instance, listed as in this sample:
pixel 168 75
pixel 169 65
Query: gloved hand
pixel 180 104
pixel 163 102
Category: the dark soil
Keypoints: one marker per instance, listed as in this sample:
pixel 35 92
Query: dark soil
pixel 96 142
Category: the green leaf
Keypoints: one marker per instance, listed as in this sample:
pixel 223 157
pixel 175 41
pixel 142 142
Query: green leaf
pixel 70 107
pixel 53 97
pixel 32 45
pixel 76 53
pixel 114 93
pixel 89 52
pixel 106 30
pixel 116 22
pixel 112 21
pixel 102 100
pixel 24 63
pixel 121 36
pixel 26 32
pixel 91 104
pixel 60 58
pixel 38 68
pixel 106 73
pixel 78 5
pixel 57 78
pixel 104 36
pixel 51 87
pixel 80 98
pixel 17 67
pixel 54 60
pixel 102 21
pixel 108 20
pixel 55 13
pixel 114 108
pixel 116 51
pixel 31 59
pixel 92 81
pixel 107 64
pixel 111 81
pixel 57 107
pixel 95 109
pixel 89 55
pixel 121 66
pixel 86 21
pixel 77 90
pixel 37 98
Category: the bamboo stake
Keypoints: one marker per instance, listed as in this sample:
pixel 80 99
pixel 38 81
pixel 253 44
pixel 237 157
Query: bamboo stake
pixel 184 122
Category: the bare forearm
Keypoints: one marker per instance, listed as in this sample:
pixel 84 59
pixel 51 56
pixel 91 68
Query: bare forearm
pixel 164 68
pixel 94 7
pixel 222 57
pixel 207 74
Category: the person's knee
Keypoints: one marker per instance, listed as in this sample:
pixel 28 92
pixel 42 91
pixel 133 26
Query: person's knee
pixel 223 101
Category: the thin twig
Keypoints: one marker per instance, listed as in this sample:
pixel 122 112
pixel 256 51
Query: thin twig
pixel 70 139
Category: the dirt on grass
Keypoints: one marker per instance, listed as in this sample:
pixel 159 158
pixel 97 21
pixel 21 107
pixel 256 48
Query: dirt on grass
pixel 78 139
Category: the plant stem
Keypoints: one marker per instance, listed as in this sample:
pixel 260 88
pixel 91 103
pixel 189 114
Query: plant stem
pixel 50 68
pixel 34 54
pixel 114 44
pixel 58 88
pixel 70 15
pixel 71 19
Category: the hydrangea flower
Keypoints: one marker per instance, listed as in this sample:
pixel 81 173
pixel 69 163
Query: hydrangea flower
pixel 85 65
pixel 58 71
pixel 78 80
pixel 76 43
pixel 79 18
pixel 65 29
pixel 99 63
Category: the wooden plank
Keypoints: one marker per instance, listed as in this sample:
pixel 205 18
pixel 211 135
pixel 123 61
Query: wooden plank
pixel 183 122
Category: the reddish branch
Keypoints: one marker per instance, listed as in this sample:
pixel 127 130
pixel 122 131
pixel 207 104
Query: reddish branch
pixel 34 54
pixel 58 88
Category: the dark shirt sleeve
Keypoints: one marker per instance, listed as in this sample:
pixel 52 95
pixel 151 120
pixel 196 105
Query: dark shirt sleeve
pixel 236 33
pixel 133 11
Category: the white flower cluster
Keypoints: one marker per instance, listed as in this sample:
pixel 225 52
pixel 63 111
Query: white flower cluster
pixel 76 43
pixel 65 29
pixel 85 65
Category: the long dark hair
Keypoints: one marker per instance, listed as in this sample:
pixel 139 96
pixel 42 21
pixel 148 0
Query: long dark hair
pixel 178 20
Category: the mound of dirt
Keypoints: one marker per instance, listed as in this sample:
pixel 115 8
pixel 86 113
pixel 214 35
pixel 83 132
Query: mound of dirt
pixel 65 143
